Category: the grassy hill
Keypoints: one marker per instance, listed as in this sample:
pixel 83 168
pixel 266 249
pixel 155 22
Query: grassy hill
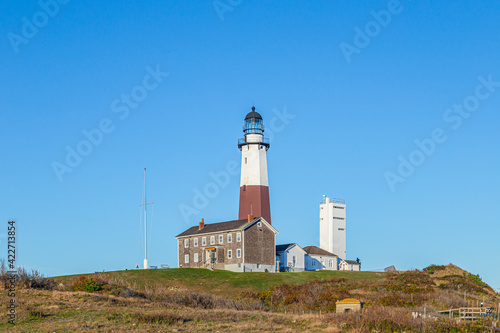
pixel 219 282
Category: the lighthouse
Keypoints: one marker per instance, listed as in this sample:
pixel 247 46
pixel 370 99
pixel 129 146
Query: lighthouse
pixel 254 185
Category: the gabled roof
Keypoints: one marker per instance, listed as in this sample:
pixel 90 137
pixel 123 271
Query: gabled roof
pixel 210 228
pixel 284 247
pixel 260 219
pixel 352 262
pixel 214 227
pixel 311 249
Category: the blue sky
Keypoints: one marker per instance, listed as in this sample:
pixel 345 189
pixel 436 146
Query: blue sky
pixel 166 86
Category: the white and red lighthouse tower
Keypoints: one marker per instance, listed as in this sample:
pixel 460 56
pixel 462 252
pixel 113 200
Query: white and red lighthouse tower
pixel 254 185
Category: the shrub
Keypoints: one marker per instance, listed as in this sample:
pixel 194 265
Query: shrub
pixel 88 284
pixel 391 300
pixel 25 279
pixel 37 314
pixel 477 280
pixel 432 268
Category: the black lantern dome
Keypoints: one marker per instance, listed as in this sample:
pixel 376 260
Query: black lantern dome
pixel 253 114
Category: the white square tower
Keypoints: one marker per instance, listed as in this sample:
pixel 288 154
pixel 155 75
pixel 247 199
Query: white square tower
pixel 332 225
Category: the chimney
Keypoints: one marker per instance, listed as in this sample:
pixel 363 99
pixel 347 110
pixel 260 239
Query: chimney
pixel 250 218
pixel 201 224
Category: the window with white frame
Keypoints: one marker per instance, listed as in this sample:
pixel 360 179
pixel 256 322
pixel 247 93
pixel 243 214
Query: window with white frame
pixel 195 242
pixel 204 241
pixel 259 224
pixel 212 239
pixel 186 258
pixel 221 239
pixel 229 254
pixel 238 237
pixel 229 238
pixel 186 243
pixel 238 253
pixel 331 263
pixel 195 257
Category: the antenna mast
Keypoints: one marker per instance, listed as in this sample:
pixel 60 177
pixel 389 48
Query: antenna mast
pixel 146 265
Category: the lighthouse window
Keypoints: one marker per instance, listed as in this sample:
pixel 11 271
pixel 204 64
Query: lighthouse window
pixel 245 160
pixel 244 187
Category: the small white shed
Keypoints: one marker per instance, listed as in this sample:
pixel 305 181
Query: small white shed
pixel 349 265
pixel 290 257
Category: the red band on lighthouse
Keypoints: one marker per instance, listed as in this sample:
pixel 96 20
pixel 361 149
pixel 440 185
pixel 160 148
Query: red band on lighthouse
pixel 254 200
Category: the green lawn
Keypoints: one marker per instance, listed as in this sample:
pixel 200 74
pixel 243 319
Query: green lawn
pixel 222 282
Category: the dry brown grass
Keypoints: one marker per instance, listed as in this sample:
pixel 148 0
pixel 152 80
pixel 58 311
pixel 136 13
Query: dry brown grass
pixel 63 311
pixel 56 311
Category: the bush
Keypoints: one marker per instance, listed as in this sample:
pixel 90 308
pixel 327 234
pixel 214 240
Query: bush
pixel 25 279
pixel 432 268
pixel 90 285
pixel 37 314
pixel 391 300
pixel 477 280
